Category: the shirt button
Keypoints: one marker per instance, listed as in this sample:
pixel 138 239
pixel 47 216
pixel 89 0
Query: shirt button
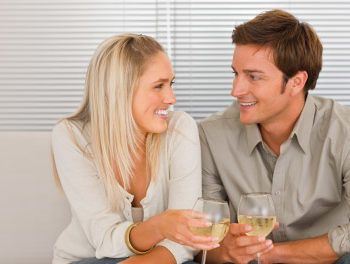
pixel 277 192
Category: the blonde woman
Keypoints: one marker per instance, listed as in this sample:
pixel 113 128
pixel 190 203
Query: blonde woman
pixel 129 167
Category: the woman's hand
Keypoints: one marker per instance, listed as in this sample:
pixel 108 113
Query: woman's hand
pixel 175 225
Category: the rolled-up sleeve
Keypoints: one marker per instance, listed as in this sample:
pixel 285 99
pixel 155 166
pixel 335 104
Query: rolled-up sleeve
pixel 181 253
pixel 103 229
pixel 339 236
pixel 185 181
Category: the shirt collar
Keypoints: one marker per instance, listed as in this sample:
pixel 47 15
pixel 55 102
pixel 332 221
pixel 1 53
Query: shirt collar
pixel 302 128
pixel 253 137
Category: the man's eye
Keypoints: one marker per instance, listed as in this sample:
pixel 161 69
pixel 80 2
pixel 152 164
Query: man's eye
pixel 254 77
pixel 172 83
pixel 235 73
pixel 159 85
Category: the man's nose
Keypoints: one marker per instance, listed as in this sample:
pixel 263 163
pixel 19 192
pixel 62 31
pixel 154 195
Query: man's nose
pixel 239 87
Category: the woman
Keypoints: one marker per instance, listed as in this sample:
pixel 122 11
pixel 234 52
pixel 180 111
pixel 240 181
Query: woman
pixel 127 164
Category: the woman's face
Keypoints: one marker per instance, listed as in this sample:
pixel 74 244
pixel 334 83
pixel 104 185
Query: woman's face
pixel 153 95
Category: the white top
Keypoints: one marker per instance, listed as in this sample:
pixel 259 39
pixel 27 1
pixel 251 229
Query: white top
pixel 95 231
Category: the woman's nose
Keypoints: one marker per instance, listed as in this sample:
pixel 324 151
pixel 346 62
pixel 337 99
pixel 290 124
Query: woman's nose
pixel 170 97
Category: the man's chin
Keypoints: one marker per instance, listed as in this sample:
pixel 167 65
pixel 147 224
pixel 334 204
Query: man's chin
pixel 247 121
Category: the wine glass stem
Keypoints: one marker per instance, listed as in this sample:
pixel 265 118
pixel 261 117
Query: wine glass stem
pixel 204 256
pixel 259 254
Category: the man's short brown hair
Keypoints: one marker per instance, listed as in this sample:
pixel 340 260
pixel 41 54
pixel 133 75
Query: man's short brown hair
pixel 295 45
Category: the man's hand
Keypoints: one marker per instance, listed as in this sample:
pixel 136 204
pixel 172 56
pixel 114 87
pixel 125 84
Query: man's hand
pixel 237 247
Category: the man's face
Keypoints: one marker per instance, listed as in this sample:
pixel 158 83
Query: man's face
pixel 258 85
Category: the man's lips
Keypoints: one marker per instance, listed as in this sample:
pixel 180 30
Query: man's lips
pixel 247 105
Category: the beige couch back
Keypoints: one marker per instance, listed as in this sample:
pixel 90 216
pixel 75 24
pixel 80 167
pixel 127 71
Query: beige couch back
pixel 33 211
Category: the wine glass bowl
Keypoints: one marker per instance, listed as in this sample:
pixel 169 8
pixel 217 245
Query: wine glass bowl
pixel 217 212
pixel 257 210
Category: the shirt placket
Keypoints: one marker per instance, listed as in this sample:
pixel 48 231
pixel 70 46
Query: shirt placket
pixel 278 194
pixel 127 207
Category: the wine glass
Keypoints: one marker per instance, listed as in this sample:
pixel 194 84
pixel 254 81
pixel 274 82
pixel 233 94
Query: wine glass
pixel 257 210
pixel 217 212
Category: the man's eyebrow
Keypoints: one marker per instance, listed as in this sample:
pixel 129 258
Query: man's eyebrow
pixel 248 70
pixel 253 71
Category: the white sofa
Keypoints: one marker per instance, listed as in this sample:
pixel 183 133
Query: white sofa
pixel 33 211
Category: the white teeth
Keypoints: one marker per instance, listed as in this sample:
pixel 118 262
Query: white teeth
pixel 248 104
pixel 162 112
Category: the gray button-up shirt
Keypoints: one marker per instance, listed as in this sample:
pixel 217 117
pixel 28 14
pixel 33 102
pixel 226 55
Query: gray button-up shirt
pixel 309 180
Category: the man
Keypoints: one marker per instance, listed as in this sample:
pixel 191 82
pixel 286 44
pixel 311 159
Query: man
pixel 277 138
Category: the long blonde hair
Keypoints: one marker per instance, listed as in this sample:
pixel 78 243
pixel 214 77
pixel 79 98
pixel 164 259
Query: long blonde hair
pixel 112 76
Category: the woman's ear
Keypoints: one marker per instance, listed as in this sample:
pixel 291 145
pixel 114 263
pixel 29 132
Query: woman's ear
pixel 297 82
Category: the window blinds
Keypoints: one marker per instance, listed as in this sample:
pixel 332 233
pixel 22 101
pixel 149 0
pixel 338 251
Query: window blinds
pixel 46 45
pixel 203 49
pixel 45 48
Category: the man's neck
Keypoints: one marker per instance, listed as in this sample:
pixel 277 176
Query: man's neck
pixel 274 134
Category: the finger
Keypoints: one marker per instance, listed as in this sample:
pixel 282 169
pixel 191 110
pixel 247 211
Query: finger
pixel 277 224
pixel 202 239
pixel 254 249
pixel 179 238
pixel 187 213
pixel 184 233
pixel 201 223
pixel 266 250
pixel 239 229
pixel 204 246
pixel 199 242
pixel 244 241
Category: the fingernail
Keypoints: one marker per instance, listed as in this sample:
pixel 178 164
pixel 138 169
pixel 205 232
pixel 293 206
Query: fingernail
pixel 216 245
pixel 248 228
pixel 215 239
pixel 268 242
pixel 208 223
pixel 261 238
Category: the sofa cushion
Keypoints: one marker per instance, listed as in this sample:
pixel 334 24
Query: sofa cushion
pixel 33 211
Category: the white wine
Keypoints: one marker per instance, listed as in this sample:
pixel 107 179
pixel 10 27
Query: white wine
pixel 262 225
pixel 218 230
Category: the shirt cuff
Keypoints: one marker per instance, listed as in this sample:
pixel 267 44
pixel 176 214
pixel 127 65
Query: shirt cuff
pixel 181 253
pixel 339 238
pixel 115 247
